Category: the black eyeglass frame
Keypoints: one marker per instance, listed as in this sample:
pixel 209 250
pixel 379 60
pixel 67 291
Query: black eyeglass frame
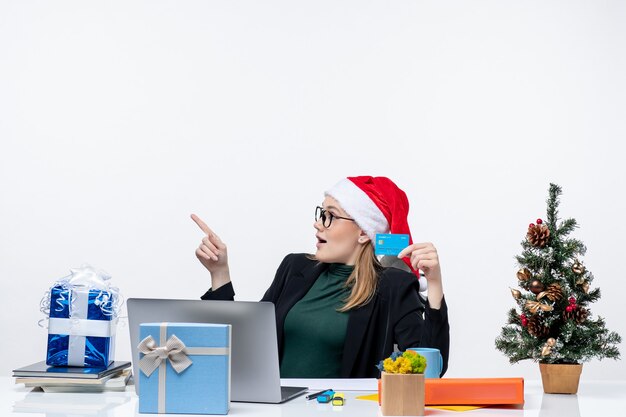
pixel 321 213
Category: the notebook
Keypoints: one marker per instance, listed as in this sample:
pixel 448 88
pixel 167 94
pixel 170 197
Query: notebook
pixel 255 374
pixel 40 369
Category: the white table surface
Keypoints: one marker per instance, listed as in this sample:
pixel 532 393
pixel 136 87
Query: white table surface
pixel 594 398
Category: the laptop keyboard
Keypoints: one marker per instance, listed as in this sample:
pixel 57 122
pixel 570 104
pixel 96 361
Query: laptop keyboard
pixel 288 392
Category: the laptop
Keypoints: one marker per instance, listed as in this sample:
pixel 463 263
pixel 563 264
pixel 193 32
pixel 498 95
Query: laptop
pixel 255 373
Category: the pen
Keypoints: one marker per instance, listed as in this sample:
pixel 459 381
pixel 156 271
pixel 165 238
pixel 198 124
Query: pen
pixel 315 395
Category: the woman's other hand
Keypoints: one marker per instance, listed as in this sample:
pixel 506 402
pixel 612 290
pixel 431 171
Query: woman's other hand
pixel 424 256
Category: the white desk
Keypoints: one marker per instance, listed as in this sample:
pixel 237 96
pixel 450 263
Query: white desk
pixel 594 399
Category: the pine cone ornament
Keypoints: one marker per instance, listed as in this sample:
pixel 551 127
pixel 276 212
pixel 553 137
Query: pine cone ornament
pixel 538 235
pixel 536 327
pixel 577 314
pixel 554 292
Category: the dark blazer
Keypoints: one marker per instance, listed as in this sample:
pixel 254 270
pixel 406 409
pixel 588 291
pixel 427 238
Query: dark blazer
pixel 396 315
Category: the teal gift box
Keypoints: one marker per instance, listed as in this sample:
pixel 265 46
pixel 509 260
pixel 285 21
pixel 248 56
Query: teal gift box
pixel 184 368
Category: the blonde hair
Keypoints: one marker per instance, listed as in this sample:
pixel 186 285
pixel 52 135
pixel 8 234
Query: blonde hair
pixel 363 279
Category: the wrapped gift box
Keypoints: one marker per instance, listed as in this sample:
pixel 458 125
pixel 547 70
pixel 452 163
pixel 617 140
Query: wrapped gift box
pixel 475 391
pixel 471 391
pixel 184 368
pixel 81 329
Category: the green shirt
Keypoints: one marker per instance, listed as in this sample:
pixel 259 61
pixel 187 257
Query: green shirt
pixel 315 331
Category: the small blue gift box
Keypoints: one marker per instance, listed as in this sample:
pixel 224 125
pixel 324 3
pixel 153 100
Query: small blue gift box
pixel 81 329
pixel 184 368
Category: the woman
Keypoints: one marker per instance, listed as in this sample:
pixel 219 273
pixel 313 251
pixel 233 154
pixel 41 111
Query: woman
pixel 339 312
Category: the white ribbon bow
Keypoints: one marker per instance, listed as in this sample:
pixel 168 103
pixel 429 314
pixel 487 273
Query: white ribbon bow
pixel 174 350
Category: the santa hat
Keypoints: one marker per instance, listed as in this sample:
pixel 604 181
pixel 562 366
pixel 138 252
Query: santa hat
pixel 376 204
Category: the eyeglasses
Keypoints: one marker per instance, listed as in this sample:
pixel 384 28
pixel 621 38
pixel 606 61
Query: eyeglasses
pixel 327 217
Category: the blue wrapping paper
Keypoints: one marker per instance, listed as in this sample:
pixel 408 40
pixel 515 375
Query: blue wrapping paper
pixel 203 387
pixel 82 309
pixel 81 329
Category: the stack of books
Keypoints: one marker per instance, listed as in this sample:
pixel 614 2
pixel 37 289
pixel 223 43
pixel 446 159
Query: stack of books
pixel 74 379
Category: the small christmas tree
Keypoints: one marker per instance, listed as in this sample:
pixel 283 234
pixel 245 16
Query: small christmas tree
pixel 553 323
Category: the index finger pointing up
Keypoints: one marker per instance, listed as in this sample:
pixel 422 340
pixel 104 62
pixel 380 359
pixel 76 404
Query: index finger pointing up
pixel 202 225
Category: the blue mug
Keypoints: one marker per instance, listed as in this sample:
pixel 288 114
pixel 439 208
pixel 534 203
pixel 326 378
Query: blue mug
pixel 434 361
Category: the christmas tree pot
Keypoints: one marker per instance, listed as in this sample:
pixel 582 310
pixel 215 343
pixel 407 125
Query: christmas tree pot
pixel 560 378
pixel 402 394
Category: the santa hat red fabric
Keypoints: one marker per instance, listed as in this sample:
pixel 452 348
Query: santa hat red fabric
pixel 376 204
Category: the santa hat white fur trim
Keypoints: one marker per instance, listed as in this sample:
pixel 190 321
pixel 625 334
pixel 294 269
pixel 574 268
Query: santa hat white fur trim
pixel 360 207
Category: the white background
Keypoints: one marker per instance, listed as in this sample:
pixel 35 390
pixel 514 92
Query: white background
pixel 120 118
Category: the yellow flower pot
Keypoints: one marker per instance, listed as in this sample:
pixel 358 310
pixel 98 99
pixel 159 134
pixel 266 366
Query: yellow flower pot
pixel 560 378
pixel 402 394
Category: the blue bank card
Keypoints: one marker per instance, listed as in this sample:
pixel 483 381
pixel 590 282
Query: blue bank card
pixel 390 244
